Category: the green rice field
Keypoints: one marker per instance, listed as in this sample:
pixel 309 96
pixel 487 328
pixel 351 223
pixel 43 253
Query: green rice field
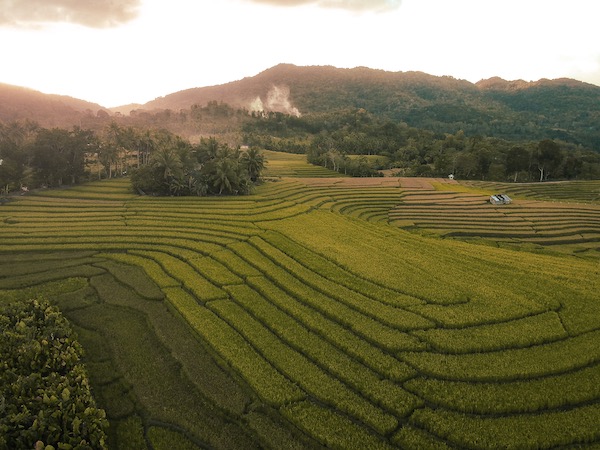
pixel 325 311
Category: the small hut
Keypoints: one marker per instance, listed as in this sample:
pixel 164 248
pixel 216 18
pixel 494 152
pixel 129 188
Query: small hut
pixel 500 199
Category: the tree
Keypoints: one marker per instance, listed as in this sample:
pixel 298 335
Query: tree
pixel 81 143
pixel 207 150
pixel 227 174
pixel 148 180
pixel 50 156
pixel 44 388
pixel 517 160
pixel 108 156
pixel 254 163
pixel 572 166
pixel 144 145
pixel 15 137
pixel 484 160
pixel 167 161
pixel 334 157
pixel 548 158
pixel 119 143
pixel 178 168
pixel 223 177
pixel 13 163
pixel 466 164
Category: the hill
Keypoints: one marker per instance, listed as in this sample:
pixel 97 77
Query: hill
pixel 313 89
pixel 562 108
pixel 18 103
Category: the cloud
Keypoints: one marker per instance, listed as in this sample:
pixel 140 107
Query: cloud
pixel 91 13
pixel 352 5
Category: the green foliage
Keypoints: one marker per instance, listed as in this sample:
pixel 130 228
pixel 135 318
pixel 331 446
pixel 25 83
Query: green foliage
pixel 147 179
pixel 254 162
pixel 179 169
pixel 45 393
pixel 59 156
pixel 330 139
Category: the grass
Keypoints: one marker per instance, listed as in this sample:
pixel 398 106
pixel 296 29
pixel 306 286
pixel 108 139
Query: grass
pixel 325 311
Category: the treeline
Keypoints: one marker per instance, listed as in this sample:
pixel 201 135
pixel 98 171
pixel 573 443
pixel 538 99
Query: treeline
pixel 329 139
pixel 164 163
pixel 32 156
pixel 45 398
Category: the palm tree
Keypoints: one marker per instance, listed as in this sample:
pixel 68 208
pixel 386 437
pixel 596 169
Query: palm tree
pixel 167 159
pixel 224 175
pixel 254 162
pixel 207 150
pixel 107 155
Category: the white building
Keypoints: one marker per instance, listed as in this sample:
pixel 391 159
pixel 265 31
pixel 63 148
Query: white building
pixel 500 199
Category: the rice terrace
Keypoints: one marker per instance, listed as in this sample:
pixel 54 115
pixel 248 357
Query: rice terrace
pixel 325 311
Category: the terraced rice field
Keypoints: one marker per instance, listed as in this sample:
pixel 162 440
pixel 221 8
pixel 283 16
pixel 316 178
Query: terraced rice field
pixel 560 216
pixel 291 165
pixel 304 316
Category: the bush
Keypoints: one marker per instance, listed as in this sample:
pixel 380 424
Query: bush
pixel 148 179
pixel 45 398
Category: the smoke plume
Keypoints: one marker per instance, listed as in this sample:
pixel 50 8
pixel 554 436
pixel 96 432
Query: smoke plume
pixel 278 100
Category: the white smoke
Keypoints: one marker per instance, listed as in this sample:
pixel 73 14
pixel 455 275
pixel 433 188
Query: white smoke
pixel 278 100
pixel 257 105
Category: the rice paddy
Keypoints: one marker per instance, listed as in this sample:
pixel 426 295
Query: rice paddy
pixel 325 311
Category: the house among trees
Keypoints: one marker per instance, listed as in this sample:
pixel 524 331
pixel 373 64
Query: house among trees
pixel 500 199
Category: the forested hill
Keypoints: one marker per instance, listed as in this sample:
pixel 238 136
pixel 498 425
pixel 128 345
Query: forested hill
pixel 18 103
pixel 565 109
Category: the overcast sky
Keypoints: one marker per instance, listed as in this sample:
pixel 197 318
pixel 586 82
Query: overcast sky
pixel 115 52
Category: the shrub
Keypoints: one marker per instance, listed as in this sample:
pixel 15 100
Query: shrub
pixel 44 390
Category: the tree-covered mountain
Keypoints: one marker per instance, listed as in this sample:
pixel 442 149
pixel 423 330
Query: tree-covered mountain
pixel 563 109
pixel 18 103
pixel 517 110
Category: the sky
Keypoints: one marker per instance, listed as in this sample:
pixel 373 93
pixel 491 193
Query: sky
pixel 117 52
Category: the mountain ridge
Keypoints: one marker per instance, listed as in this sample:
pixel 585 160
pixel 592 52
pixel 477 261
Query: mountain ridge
pixel 246 88
pixel 20 103
pixel 563 108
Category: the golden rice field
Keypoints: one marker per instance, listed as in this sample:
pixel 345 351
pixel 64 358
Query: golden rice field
pixel 325 312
